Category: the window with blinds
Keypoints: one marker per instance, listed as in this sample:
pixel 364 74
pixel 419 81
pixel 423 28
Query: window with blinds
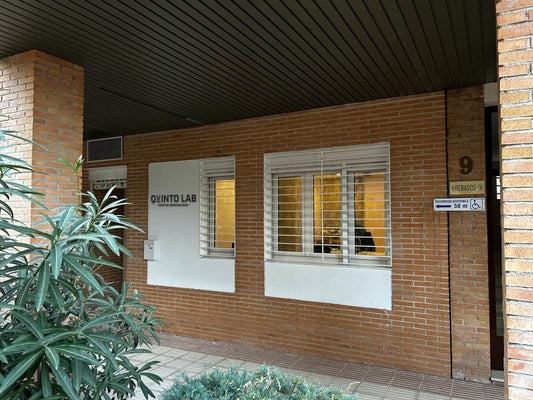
pixel 329 206
pixel 217 207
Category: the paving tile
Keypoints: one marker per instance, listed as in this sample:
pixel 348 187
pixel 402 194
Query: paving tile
pixel 437 385
pixel 160 349
pixel 400 394
pixel 230 362
pixel 214 350
pixel 375 389
pixel 144 357
pixel 307 363
pixel 369 396
pixel 494 392
pixel 285 360
pixel 175 352
pixel 432 396
pixel 211 360
pixel 380 375
pixel 319 379
pixel 193 356
pixel 164 372
pixel 343 383
pixel 163 359
pixel 196 356
pixel 331 369
pixel 193 370
pixel 293 372
pixel 178 363
pixel 407 380
pixel 251 366
pixel 354 371
pixel 468 390
pixel 183 346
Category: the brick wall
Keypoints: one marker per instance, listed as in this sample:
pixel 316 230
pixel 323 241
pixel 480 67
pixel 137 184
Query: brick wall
pixel 468 241
pixel 42 96
pixel 415 335
pixel 16 108
pixel 515 60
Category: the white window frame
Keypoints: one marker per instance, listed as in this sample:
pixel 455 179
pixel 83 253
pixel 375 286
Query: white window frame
pixel 212 170
pixel 346 161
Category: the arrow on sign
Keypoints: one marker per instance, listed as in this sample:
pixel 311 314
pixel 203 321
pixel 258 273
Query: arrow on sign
pixel 444 206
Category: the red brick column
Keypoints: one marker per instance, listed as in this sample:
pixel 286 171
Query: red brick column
pixel 42 97
pixel 468 241
pixel 515 59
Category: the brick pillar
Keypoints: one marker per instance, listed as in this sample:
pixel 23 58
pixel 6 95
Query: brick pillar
pixel 515 60
pixel 42 97
pixel 468 241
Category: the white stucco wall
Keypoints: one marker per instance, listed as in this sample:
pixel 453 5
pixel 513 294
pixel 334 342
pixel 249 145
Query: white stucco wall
pixel 176 227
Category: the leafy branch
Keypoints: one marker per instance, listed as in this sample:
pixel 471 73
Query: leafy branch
pixel 64 332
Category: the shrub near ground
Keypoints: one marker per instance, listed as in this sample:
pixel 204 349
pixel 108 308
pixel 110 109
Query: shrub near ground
pixel 266 383
pixel 64 332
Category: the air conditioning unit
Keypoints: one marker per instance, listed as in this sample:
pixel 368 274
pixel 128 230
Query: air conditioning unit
pixel 104 149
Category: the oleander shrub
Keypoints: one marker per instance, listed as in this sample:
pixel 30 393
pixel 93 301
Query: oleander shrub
pixel 266 383
pixel 64 332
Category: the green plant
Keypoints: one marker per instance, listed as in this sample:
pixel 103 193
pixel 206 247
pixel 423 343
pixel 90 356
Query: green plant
pixel 64 332
pixel 266 383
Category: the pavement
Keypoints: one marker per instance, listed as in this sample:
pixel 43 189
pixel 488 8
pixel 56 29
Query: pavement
pixel 193 356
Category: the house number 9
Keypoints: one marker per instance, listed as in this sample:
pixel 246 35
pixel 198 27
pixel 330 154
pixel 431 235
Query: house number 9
pixel 466 165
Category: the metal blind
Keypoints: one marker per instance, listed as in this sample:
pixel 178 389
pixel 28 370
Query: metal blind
pixel 329 206
pixel 217 207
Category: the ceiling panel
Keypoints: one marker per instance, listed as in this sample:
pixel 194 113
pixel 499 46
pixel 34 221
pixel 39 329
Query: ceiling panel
pixel 161 64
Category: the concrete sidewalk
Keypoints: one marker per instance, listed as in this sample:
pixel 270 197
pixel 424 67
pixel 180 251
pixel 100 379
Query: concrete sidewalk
pixel 195 356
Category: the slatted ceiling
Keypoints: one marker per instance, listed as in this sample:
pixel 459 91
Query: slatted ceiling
pixel 462 40
pixel 127 59
pixel 410 49
pixel 258 67
pixel 258 56
pixel 313 41
pixel 364 47
pixel 188 56
pixel 349 64
pixel 445 29
pixel 487 49
pixel 269 62
pixel 391 45
pixel 133 116
pixel 216 61
pixel 350 45
pixel 418 39
pixel 312 28
pixel 435 59
pixel 378 41
pixel 142 53
pixel 288 45
pixel 475 18
pixel 195 56
pixel 474 36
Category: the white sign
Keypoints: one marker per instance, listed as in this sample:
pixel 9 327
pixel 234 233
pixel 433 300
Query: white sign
pixel 466 204
pixel 467 187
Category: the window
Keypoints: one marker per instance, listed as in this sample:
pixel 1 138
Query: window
pixel 217 207
pixel 329 206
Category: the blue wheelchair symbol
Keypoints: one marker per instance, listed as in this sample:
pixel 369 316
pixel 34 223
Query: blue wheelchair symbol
pixel 476 204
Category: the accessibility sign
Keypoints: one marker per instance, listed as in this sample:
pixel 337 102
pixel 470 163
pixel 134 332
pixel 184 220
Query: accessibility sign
pixel 465 204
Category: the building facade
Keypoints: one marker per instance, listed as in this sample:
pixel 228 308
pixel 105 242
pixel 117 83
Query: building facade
pixel 404 313
pixel 424 295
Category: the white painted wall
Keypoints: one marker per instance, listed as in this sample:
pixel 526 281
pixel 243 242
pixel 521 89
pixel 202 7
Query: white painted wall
pixel 177 228
pixel 351 286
